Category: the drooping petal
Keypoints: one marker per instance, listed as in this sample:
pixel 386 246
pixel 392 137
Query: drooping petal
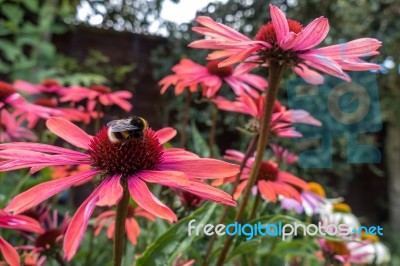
pixel 322 63
pixel 353 49
pixel 78 224
pixel 310 76
pixel 107 193
pixel 266 190
pixel 208 192
pixel 166 134
pixel 145 199
pixel 112 192
pixel 132 230
pixel 20 222
pixel 166 178
pixel 69 132
pixel 41 192
pixel 10 254
pixel 280 22
pixel 201 168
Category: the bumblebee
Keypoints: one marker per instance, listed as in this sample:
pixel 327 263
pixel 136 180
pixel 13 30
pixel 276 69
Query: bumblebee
pixel 125 129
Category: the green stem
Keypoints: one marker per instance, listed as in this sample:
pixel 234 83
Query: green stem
pixel 119 231
pixel 211 141
pixel 255 206
pixel 185 120
pixel 249 151
pixel 275 75
pixel 59 259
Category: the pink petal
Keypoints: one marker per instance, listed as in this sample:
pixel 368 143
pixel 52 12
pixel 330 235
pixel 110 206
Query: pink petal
pixel 221 29
pixel 132 230
pixel 10 254
pixel 238 57
pixel 293 180
pixel 112 191
pixel 41 148
pixel 206 191
pixel 310 76
pixel 20 222
pixel 280 23
pixel 356 48
pixel 165 178
pixel 69 132
pixel 165 134
pixel 201 168
pixel 265 189
pixel 78 224
pixel 313 34
pixel 322 63
pixel 41 192
pixel 145 199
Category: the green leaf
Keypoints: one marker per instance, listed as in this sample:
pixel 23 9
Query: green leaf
pixel 10 51
pixel 32 5
pixel 199 143
pixel 12 12
pixel 175 240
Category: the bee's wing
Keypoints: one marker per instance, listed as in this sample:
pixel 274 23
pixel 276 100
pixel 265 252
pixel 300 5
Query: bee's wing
pixel 120 125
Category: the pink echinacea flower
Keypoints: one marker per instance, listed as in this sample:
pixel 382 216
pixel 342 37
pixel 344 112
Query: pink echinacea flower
pixel 130 164
pixel 287 42
pixel 211 77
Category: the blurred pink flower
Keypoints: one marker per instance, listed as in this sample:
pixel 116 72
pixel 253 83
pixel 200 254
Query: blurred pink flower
pixel 10 98
pixel 135 162
pixel 271 181
pixel 283 155
pixel 13 129
pixel 211 77
pixel 287 42
pixel 49 242
pixel 131 225
pixel 98 93
pixel 281 121
pixel 48 86
pixel 71 114
pixel 17 222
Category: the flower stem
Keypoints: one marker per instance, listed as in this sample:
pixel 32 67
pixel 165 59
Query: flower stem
pixel 249 152
pixel 185 120
pixel 214 117
pixel 119 232
pixel 255 206
pixel 59 259
pixel 275 75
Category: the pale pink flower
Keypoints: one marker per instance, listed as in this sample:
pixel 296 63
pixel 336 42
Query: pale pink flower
pixel 16 222
pixel 131 225
pixel 13 129
pixel 211 77
pixel 282 118
pixel 98 94
pixel 287 42
pixel 271 180
pixel 345 252
pixel 134 162
pixel 313 201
